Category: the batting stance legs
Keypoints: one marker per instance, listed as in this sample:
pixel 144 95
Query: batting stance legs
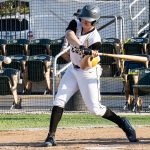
pixel 87 81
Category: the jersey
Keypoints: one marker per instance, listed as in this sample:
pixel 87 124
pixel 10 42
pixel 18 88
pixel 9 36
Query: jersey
pixel 91 40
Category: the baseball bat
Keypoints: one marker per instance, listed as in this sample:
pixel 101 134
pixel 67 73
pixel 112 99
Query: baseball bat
pixel 126 57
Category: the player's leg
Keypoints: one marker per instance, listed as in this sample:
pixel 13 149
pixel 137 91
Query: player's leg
pixel 17 100
pixel 137 100
pixel 47 78
pixel 123 123
pixel 89 86
pixel 55 118
pixel 67 87
pixel 27 84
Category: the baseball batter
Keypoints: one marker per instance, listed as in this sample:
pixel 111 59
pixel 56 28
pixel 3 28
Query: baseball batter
pixel 84 74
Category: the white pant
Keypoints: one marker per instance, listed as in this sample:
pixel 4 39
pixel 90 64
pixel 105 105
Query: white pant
pixel 88 82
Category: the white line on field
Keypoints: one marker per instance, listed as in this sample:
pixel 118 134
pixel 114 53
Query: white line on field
pixel 103 148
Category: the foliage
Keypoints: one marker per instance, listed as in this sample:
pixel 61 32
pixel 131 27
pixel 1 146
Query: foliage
pixel 14 6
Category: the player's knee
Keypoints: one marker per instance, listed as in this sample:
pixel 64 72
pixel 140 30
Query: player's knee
pixel 59 102
pixel 99 111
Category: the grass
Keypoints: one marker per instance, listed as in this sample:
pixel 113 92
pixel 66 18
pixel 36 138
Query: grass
pixel 22 121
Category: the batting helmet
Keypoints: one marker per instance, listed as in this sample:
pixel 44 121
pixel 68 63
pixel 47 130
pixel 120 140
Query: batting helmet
pixel 90 13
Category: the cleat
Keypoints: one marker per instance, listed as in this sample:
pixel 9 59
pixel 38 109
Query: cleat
pixel 129 130
pixel 49 141
pixel 17 106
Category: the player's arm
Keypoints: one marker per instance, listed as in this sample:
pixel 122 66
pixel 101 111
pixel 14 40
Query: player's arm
pixel 71 34
pixel 92 60
pixel 65 56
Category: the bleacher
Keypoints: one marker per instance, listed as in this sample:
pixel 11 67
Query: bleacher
pixel 134 46
pixel 43 26
pixel 32 61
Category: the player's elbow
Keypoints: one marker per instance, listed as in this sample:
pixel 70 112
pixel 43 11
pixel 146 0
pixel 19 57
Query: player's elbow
pixel 69 34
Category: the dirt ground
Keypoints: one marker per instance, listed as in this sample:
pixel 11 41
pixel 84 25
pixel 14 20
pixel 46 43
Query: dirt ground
pixel 108 138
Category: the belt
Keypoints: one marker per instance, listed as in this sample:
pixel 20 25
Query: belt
pixel 76 66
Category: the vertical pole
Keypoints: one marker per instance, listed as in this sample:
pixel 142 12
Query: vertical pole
pixel 54 76
pixel 1 26
pixel 116 26
pixel 121 22
pixel 149 24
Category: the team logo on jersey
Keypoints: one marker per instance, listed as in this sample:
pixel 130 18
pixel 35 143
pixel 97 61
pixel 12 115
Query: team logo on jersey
pixel 76 50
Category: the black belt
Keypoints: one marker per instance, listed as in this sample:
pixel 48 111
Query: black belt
pixel 76 66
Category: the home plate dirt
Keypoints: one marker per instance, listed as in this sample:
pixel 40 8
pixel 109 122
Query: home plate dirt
pixel 108 138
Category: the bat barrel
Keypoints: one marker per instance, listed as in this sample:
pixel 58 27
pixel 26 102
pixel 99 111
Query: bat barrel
pixel 126 57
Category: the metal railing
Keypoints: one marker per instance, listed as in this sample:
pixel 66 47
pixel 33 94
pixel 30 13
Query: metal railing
pixel 57 72
pixel 134 17
pixel 143 28
pixel 115 19
pixel 138 14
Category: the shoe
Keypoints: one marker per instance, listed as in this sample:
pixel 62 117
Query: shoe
pixel 117 74
pixel 17 106
pixel 128 129
pixel 129 107
pixel 47 91
pixel 125 107
pixel 49 141
pixel 27 91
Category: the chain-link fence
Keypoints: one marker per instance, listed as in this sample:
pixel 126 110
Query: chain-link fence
pixel 29 25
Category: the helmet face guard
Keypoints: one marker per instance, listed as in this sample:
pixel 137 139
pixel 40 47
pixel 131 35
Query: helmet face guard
pixel 90 13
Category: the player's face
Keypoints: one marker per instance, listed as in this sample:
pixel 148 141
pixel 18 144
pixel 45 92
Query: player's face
pixel 86 24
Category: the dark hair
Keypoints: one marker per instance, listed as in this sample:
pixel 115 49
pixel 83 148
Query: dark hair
pixel 92 23
pixel 77 13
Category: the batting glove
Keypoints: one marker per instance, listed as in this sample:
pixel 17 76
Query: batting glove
pixel 85 51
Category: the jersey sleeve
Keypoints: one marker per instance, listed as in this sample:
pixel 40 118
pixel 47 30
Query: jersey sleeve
pixel 72 26
pixel 95 46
